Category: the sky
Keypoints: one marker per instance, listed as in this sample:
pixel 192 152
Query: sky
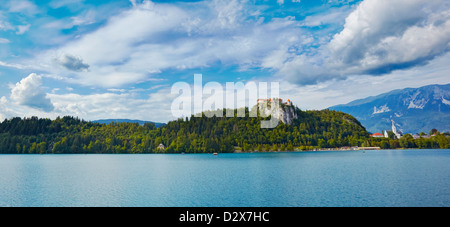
pixel 119 58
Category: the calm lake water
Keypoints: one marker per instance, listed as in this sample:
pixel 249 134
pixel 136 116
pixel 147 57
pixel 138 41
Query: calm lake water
pixel 353 178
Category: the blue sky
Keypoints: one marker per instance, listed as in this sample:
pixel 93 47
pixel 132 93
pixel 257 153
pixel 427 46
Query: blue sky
pixel 119 58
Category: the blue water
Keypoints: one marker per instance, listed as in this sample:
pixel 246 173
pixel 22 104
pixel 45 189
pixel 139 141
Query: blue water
pixel 349 179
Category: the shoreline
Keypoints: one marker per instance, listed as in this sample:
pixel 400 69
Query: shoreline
pixel 336 149
pixel 316 149
pixel 238 152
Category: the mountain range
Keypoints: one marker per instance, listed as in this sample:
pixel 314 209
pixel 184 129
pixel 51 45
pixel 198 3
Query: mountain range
pixel 410 110
pixel 109 121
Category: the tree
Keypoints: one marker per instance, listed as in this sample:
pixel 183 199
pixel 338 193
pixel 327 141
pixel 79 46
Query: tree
pixel 57 148
pixel 394 144
pixel 275 147
pixel 391 135
pixel 366 144
pixel 384 144
pixel 247 147
pixel 91 147
pixel 217 134
pixel 290 147
pixel 321 143
pixel 434 132
pixel 33 148
pixel 42 147
pixel 260 148
pixel 331 143
pixel 18 148
pixel 443 141
pixel 407 141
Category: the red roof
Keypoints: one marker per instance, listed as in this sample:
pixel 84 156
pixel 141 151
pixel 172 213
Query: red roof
pixel 377 134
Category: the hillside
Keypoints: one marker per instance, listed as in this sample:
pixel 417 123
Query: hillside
pixel 195 135
pixel 310 128
pixel 412 110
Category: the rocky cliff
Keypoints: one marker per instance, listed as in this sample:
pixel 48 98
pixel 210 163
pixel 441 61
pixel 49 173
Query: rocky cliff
pixel 285 112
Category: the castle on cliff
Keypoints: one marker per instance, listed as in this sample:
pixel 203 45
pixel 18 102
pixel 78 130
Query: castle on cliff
pixel 286 112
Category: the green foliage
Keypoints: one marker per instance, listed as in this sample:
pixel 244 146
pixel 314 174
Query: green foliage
pixel 440 141
pixel 69 135
pixel 391 135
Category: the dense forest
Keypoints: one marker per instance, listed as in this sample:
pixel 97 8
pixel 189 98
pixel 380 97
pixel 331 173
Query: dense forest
pixel 312 129
pixel 69 135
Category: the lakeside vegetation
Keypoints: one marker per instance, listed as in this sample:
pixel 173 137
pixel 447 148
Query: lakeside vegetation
pixel 437 141
pixel 312 129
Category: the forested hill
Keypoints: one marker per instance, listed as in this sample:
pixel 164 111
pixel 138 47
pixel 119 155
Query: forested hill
pixel 69 135
pixel 109 121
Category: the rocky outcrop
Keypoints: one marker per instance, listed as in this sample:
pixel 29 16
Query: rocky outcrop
pixel 285 112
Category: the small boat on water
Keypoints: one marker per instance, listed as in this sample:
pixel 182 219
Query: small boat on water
pixel 215 153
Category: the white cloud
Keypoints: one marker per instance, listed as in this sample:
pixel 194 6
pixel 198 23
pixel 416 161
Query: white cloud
pixel 62 3
pixel 28 92
pixel 120 103
pixel 340 2
pixel 382 33
pixel 17 66
pixel 5 26
pixel 4 41
pixel 117 40
pixel 86 18
pixel 333 16
pixel 150 38
pixel 21 29
pixel 281 2
pixel 332 92
pixel 12 109
pixel 23 6
pixel 3 102
pixel 117 90
pixel 379 36
pixel 113 105
pixel 133 2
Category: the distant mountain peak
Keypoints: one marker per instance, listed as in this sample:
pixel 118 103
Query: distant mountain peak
pixel 415 103
pixel 414 110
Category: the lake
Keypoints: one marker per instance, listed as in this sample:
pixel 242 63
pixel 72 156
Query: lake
pixel 393 178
